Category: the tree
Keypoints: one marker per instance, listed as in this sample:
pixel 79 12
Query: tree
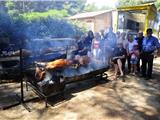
pixel 105 8
pixel 122 3
pixel 90 7
pixel 75 6
pixel 158 5
pixel 40 15
pixel 72 6
pixel 11 9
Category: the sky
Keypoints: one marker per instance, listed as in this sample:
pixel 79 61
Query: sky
pixel 101 3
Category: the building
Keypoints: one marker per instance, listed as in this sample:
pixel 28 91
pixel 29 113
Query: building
pixel 130 18
pixel 95 21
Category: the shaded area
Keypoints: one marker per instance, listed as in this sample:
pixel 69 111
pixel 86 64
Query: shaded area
pixel 134 99
pixel 8 100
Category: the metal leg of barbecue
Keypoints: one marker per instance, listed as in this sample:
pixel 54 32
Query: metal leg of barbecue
pixel 26 86
pixel 46 102
pixel 102 76
pixel 22 98
pixel 21 79
pixel 63 95
pixel 123 79
pixel 26 107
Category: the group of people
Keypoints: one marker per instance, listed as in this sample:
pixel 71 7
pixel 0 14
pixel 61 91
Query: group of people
pixel 97 46
pixel 133 50
pixel 121 48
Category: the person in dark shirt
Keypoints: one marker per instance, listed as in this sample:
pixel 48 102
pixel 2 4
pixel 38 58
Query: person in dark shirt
pixel 88 40
pixel 118 55
pixel 149 45
pixel 81 47
pixel 139 40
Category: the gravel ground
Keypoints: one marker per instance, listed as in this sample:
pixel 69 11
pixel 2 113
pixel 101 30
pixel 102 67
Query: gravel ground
pixel 134 99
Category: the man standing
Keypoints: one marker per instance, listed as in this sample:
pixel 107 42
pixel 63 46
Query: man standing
pixel 149 45
pixel 139 39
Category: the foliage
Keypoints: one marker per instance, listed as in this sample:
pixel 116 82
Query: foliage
pixel 29 19
pixel 137 2
pixel 10 5
pixel 72 7
pixel 79 26
pixel 90 7
pixel 158 5
pixel 22 29
pixel 105 8
pixel 122 3
pixel 51 27
pixel 11 9
pixel 51 13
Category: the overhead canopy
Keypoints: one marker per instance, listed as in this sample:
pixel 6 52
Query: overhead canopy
pixel 139 7
pixel 149 9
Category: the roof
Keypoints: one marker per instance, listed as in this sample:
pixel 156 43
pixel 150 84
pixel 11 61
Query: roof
pixel 138 7
pixel 89 14
pixel 126 8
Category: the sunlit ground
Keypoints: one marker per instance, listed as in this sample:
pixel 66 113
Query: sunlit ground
pixel 135 99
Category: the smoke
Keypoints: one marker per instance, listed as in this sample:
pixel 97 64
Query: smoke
pixel 50 27
pixel 39 36
pixel 21 31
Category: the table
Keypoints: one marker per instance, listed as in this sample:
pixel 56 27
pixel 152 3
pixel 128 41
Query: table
pixel 9 58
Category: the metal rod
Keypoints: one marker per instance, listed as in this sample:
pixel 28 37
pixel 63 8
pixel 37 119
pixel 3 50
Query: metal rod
pixel 21 79
pixel 21 75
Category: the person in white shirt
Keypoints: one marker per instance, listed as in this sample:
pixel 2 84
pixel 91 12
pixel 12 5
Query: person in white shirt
pixel 130 46
pixel 96 50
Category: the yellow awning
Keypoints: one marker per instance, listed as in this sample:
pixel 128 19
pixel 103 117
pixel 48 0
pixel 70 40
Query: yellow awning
pixel 138 7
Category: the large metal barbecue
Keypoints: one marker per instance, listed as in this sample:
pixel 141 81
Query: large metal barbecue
pixel 46 90
pixel 56 80
pixel 99 72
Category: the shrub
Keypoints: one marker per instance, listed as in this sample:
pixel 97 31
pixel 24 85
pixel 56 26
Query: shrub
pixel 39 25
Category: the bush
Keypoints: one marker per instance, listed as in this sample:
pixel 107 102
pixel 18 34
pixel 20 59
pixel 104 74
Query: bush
pixel 51 13
pixel 51 27
pixel 38 25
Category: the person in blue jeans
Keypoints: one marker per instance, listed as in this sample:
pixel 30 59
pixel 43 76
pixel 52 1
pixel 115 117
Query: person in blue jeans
pixel 149 45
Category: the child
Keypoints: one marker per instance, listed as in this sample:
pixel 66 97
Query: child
pixel 96 52
pixel 134 59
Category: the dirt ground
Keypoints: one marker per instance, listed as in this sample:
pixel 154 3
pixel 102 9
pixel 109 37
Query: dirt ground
pixel 134 99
